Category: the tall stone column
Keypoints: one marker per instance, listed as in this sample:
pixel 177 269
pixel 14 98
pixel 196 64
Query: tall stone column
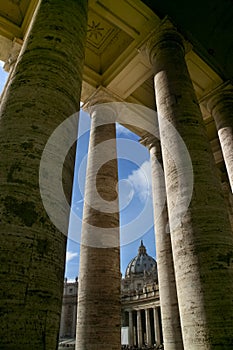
pixel 139 328
pixel 44 90
pixel 228 196
pixel 131 330
pixel 156 326
pixel 167 286
pixel 148 327
pixel 220 105
pixel 202 242
pixel 99 307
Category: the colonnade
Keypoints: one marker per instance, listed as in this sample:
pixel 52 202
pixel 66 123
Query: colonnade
pixel 43 91
pixel 145 327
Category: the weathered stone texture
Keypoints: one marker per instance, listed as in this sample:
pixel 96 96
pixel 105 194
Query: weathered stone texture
pixel 43 91
pixel 202 243
pixel 99 309
pixel 221 107
pixel 167 286
pixel 228 196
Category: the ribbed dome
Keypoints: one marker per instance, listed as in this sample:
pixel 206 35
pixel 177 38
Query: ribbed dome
pixel 141 263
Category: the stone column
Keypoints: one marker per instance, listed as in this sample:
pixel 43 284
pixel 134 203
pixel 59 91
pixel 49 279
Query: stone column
pixel 139 328
pixel 228 196
pixel 148 327
pixel 167 286
pixel 220 105
pixel 99 307
pixel 11 62
pixel 202 242
pixel 131 330
pixel 74 314
pixel 156 326
pixel 44 90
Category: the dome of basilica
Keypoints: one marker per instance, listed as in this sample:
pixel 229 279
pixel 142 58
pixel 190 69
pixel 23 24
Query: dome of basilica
pixel 142 263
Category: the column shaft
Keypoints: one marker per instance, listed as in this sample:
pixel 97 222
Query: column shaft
pixel 139 328
pixel 202 242
pixel 99 308
pixel 44 89
pixel 156 326
pixel 228 196
pixel 131 330
pixel 167 286
pixel 148 327
pixel 221 106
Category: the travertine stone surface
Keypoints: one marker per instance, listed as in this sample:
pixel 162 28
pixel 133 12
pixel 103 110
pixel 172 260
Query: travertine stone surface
pixel 202 242
pixel 139 328
pixel 44 90
pixel 131 329
pixel 156 325
pixel 167 286
pixel 99 309
pixel 148 327
pixel 221 107
pixel 228 196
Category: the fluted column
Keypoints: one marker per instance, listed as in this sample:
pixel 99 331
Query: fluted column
pixel 131 330
pixel 148 327
pixel 202 242
pixel 99 308
pixel 220 104
pixel 156 326
pixel 44 89
pixel 167 286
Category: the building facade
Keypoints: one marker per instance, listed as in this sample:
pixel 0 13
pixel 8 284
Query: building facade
pixel 152 67
pixel 69 310
pixel 140 309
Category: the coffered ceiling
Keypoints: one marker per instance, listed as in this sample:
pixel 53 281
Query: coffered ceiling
pixel 116 32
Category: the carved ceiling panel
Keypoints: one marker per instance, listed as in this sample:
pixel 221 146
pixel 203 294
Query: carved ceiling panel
pixel 105 41
pixel 99 32
pixel 14 10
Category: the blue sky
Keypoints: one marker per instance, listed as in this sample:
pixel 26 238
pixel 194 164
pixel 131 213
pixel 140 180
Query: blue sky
pixel 136 217
pixel 3 76
pixel 134 195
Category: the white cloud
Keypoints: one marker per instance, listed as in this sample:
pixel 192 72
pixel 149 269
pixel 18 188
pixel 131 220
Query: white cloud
pixel 1 63
pixel 78 205
pixel 70 256
pixel 141 180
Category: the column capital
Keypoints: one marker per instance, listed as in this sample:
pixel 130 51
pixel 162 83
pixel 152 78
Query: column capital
pixel 153 144
pixel 222 94
pixel 99 96
pixel 165 35
pixel 13 54
pixel 149 141
pixel 101 101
